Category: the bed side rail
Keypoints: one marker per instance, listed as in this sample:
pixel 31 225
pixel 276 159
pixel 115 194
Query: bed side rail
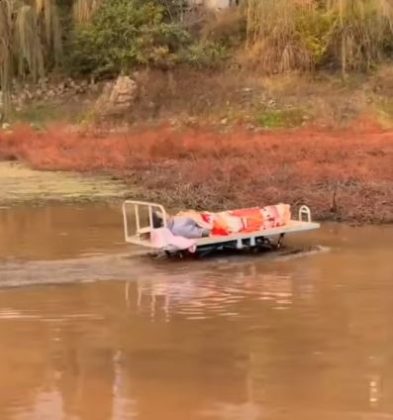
pixel 305 214
pixel 138 219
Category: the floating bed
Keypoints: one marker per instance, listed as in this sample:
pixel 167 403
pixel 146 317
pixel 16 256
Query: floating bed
pixel 139 229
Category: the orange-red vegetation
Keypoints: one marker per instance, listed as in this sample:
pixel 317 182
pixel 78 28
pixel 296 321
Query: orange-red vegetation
pixel 344 174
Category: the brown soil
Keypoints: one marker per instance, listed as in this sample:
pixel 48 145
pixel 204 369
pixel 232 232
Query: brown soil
pixel 342 175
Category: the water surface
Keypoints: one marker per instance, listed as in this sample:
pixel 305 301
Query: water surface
pixel 92 330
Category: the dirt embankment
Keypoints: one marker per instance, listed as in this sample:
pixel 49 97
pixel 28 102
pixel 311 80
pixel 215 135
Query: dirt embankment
pixel 342 175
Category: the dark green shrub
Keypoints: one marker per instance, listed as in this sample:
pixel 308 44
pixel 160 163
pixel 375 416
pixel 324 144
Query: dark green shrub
pixel 126 33
pixel 205 54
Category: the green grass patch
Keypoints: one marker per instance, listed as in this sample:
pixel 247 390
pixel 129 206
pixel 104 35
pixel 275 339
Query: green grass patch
pixel 281 118
pixel 384 112
pixel 40 114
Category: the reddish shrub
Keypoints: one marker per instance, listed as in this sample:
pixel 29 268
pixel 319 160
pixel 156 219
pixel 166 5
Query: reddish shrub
pixel 205 168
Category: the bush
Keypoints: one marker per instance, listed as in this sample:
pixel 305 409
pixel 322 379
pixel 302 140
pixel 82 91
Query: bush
pixel 274 42
pixel 125 33
pixel 361 32
pixel 206 54
pixel 227 27
pixel 284 35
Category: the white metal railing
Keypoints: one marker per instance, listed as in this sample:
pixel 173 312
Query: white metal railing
pixel 134 210
pixel 305 212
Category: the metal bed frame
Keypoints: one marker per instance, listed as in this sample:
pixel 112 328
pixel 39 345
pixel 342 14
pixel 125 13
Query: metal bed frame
pixel 139 223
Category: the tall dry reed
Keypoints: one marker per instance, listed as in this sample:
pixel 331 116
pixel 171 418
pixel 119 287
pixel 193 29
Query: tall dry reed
pixel 287 35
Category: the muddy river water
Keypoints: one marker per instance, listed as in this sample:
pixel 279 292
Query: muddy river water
pixel 91 329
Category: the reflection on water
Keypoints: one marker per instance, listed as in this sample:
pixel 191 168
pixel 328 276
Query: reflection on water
pixel 242 338
pixel 212 295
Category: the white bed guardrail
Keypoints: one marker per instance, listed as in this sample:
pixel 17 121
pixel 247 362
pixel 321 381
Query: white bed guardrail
pixel 305 214
pixel 136 209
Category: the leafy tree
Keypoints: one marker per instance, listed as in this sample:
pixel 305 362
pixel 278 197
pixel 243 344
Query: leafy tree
pixel 125 33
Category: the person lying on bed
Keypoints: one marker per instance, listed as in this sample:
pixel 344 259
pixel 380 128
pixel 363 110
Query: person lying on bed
pixel 184 225
pixel 192 224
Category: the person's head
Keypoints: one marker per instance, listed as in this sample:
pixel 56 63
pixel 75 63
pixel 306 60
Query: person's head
pixel 158 219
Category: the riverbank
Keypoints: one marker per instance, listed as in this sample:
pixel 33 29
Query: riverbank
pixel 343 175
pixel 20 184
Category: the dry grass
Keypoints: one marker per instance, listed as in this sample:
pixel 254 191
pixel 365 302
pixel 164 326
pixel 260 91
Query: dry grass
pixel 84 9
pixel 30 31
pixel 286 35
pixel 245 97
pixel 344 174
pixel 273 41
pixel 5 53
